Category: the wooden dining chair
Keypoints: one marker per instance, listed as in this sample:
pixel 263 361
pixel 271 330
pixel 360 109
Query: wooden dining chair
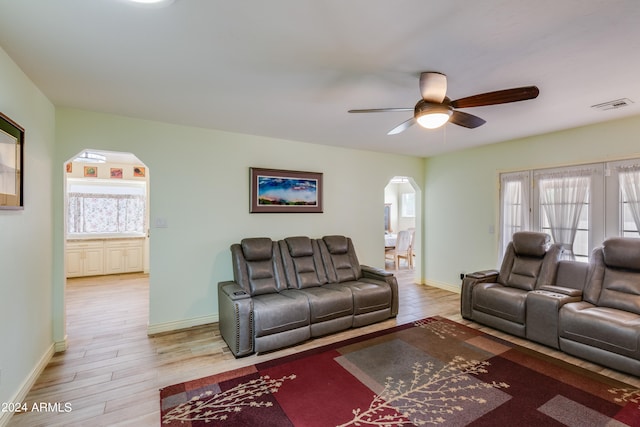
pixel 402 250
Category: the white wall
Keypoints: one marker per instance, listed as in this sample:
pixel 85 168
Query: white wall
pixel 26 240
pixel 461 191
pixel 199 183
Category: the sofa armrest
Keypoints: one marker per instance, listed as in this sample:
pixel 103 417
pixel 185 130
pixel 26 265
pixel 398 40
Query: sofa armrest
pixel 468 282
pixel 483 276
pixel 369 272
pixel 571 292
pixel 235 318
pixel 374 273
pixel 542 313
pixel 232 290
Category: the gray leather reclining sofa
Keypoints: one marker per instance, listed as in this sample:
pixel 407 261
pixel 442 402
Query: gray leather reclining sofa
pixel 591 311
pixel 288 291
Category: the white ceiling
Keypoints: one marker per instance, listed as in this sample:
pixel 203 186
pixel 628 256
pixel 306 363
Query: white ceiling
pixel 292 68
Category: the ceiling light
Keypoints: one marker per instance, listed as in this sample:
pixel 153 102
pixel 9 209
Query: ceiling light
pixel 432 116
pixel 399 180
pixel 89 157
pixel 152 3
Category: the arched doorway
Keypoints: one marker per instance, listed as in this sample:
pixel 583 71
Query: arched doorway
pixel 402 215
pixel 106 215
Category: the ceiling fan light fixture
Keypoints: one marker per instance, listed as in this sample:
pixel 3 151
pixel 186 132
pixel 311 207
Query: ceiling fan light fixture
pixel 432 116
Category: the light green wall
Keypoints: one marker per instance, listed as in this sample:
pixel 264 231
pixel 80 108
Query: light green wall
pixel 26 238
pixel 461 191
pixel 199 182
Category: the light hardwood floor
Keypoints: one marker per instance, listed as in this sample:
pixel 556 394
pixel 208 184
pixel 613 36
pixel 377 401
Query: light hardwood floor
pixel 112 371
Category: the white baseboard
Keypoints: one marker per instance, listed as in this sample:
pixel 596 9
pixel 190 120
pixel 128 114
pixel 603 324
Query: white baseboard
pixel 26 385
pixel 446 286
pixel 159 328
pixel 60 346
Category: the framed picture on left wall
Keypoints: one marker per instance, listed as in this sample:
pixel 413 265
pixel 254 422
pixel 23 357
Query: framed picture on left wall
pixel 11 164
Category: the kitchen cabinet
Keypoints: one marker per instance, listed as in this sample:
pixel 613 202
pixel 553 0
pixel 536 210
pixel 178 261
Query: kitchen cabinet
pixel 104 256
pixel 85 258
pixel 123 256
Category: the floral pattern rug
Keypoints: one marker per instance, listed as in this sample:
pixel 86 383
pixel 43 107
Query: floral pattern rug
pixel 431 372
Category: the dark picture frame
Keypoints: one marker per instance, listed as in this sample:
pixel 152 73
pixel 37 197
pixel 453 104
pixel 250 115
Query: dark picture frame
pixel 285 191
pixel 11 164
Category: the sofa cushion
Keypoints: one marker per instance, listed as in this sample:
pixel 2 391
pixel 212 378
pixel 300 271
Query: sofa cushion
pixel 572 274
pixel 302 263
pixel 605 328
pixel 261 277
pixel 257 248
pixel 274 313
pixel 622 252
pixel 500 301
pixel 326 303
pixel 530 243
pixel 524 273
pixel 340 259
pixel 370 296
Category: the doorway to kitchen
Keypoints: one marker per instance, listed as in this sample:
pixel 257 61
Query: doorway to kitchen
pixel 106 222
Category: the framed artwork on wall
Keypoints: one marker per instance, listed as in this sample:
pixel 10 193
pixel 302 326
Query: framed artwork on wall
pixel 11 164
pixel 115 173
pixel 91 171
pixel 139 171
pixel 278 191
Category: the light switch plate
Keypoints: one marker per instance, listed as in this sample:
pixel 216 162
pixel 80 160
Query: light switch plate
pixel 161 222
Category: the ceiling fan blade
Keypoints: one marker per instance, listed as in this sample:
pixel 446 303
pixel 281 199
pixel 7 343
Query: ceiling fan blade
pixel 497 97
pixel 466 120
pixel 380 110
pixel 402 126
pixel 433 86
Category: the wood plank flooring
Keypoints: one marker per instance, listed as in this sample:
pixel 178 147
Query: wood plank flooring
pixel 112 371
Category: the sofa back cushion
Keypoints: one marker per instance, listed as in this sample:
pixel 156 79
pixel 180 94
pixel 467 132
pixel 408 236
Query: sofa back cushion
pixel 616 275
pixel 524 273
pixel 530 261
pixel 339 257
pixel 572 274
pixel 257 266
pixel 302 262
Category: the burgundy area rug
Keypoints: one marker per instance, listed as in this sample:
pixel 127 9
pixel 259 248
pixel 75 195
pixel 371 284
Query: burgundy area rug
pixel 433 371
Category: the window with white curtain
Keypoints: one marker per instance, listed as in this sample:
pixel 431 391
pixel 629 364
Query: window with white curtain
pixel 514 201
pixel 106 207
pixel 629 180
pixel 578 206
pixel 563 199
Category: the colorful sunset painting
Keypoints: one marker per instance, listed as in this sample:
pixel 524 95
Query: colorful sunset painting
pixel 282 191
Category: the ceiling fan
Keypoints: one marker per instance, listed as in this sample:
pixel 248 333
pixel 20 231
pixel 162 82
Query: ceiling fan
pixel 435 109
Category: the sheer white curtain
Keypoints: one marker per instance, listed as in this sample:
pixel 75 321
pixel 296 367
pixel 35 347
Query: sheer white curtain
pixel 629 178
pixel 515 201
pixel 563 196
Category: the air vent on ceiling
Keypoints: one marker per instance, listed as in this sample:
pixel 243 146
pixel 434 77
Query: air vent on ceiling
pixel 613 105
